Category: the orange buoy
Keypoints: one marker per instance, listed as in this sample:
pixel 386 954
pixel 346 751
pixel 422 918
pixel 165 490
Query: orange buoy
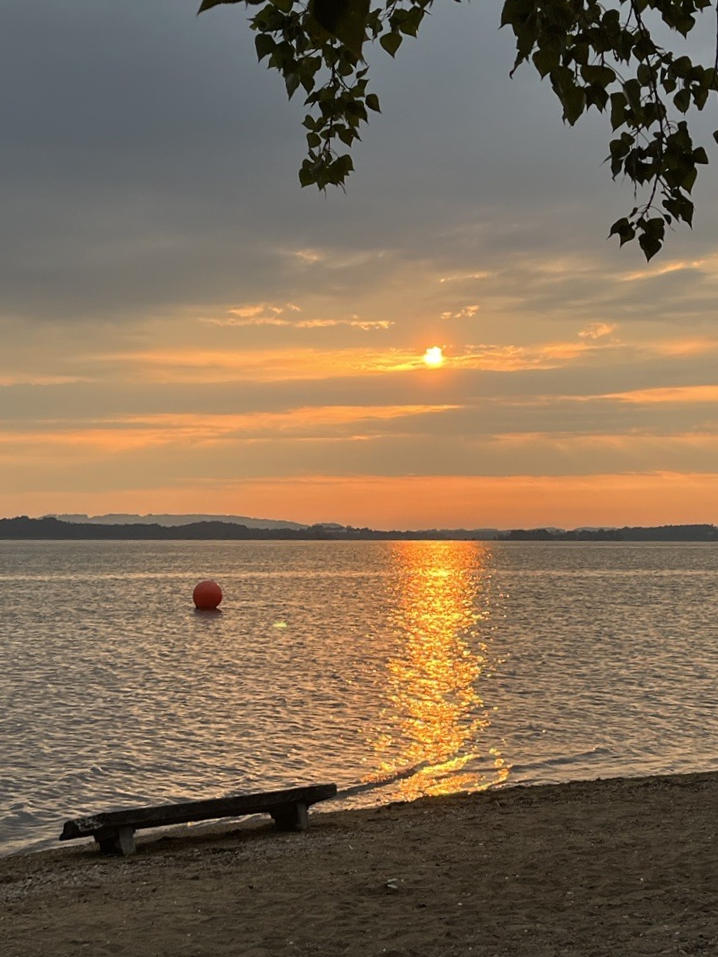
pixel 207 595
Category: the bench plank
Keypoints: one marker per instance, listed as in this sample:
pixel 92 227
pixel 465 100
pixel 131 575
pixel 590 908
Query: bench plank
pixel 114 830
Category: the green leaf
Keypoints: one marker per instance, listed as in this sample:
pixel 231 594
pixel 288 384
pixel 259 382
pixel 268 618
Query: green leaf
pixel 347 135
pixel 372 102
pixel 632 90
pixel 307 174
pixel 618 110
pixel 602 75
pixel 291 81
pixel 412 21
pixel 546 59
pixel 689 179
pixel 650 244
pixel 344 19
pixel 264 45
pixel 682 100
pixel 391 42
pixel 624 230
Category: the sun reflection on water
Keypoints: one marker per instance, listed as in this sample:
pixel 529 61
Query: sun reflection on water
pixel 437 712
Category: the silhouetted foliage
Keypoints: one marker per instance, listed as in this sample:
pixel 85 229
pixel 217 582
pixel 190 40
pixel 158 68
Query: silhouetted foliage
pixel 621 57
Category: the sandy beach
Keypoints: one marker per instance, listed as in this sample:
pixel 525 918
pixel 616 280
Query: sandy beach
pixel 613 867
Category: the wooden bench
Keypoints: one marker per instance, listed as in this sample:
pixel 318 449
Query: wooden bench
pixel 114 831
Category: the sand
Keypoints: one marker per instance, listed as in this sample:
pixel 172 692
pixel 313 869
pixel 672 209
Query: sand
pixel 605 868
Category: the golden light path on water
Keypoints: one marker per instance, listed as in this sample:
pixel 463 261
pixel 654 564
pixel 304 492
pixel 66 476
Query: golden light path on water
pixel 435 677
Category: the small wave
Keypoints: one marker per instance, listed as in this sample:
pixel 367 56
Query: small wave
pixel 380 782
pixel 595 754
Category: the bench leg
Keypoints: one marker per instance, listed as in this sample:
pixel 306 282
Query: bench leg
pixel 116 840
pixel 291 817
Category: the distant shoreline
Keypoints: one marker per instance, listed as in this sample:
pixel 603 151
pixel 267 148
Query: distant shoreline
pixel 53 529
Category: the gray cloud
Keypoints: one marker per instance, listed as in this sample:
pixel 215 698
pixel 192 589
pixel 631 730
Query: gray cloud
pixel 148 160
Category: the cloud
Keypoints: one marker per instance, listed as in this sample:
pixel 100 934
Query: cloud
pixel 264 314
pixel 39 380
pixel 133 432
pixel 662 269
pixel 466 312
pixel 670 395
pixel 167 287
pixel 597 330
pixel 261 365
pixel 513 358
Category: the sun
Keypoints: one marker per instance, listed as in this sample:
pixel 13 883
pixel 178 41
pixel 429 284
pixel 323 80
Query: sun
pixel 434 356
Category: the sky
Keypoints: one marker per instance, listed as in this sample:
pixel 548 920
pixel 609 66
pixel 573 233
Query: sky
pixel 186 330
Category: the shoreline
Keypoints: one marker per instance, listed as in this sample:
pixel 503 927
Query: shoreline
pixel 611 866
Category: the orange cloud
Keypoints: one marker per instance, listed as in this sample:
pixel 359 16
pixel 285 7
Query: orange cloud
pixel 516 358
pixel 463 276
pixel 273 423
pixel 267 365
pixel 675 394
pixel 597 330
pixel 684 347
pixel 283 316
pixel 30 378
pixel 134 432
pixel 466 312
pixel 662 269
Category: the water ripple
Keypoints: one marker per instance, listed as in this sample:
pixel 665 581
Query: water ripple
pixel 394 669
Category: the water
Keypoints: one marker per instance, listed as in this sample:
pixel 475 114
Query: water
pixel 393 668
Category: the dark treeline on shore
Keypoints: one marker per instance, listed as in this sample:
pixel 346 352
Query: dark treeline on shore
pixel 55 530
pixel 659 533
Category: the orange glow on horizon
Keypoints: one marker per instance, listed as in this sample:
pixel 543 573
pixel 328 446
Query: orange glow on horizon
pixel 406 502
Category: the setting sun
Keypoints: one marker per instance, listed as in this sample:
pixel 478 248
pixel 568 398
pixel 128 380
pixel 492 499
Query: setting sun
pixel 434 356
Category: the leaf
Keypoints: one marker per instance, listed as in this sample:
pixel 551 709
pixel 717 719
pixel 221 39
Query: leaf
pixel 344 19
pixel 650 245
pixel 412 21
pixel 546 59
pixel 682 100
pixel 689 179
pixel 391 42
pixel 618 110
pixel 264 45
pixel 291 81
pixel 574 102
pixel 307 175
pixel 623 229
pixel 372 102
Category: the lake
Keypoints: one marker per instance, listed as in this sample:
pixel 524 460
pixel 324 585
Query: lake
pixel 395 669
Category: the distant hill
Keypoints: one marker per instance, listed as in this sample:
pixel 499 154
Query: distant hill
pixel 660 533
pixel 53 529
pixel 171 521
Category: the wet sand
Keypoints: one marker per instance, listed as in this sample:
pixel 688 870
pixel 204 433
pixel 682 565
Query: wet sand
pixel 604 868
